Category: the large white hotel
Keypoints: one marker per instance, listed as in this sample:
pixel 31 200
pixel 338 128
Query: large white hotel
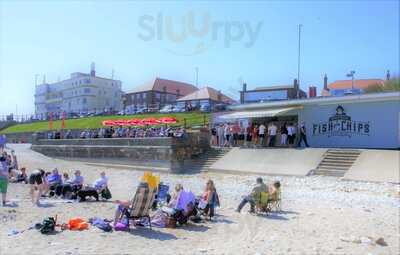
pixel 81 93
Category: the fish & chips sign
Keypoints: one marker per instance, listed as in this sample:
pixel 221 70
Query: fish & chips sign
pixel 341 124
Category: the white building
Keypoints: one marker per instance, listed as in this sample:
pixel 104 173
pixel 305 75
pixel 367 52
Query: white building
pixel 82 93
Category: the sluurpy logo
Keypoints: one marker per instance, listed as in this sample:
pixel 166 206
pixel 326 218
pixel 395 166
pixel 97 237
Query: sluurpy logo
pixel 199 33
pixel 341 124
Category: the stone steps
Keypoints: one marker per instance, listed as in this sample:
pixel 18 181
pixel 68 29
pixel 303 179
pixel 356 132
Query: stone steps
pixel 336 162
pixel 204 161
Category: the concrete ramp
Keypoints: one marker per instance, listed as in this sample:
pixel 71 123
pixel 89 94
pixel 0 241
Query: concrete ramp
pixel 269 161
pixel 376 166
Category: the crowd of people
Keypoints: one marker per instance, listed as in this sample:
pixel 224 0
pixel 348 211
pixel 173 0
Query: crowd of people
pixel 120 132
pixel 258 135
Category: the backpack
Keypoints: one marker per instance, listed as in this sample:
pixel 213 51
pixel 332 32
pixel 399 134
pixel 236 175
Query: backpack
pixel 48 225
pixel 106 194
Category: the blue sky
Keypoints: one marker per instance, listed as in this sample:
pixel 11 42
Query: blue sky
pixel 56 39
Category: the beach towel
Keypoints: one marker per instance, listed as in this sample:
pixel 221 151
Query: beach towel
pixel 185 198
pixel 101 224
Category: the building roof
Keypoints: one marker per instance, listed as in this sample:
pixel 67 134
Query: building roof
pixel 359 84
pixel 157 84
pixel 207 93
pixel 372 97
pixel 274 87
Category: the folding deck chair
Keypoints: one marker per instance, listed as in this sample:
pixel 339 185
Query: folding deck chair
pixel 141 204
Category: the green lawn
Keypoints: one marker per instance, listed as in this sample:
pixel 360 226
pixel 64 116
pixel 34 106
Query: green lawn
pixel 192 119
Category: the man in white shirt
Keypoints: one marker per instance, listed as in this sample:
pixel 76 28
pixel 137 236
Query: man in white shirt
pixel 272 134
pixel 261 133
pixel 220 134
pixel 291 134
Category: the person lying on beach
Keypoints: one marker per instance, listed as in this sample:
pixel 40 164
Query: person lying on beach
pixel 37 185
pixel 260 187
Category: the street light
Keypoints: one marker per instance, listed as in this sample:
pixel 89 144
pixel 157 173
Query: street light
pixel 351 74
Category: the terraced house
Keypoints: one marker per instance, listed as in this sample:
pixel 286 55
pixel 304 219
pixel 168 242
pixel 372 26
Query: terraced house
pixel 81 93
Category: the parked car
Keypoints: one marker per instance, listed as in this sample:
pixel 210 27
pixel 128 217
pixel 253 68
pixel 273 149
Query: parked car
pixel 205 108
pixel 141 110
pixel 180 108
pixel 167 109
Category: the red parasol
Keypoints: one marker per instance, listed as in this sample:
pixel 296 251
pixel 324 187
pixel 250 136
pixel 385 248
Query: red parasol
pixel 168 120
pixel 135 122
pixel 150 121
pixel 108 123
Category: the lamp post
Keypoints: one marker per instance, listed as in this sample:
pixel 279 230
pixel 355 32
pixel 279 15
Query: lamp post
pixel 298 62
pixel 351 74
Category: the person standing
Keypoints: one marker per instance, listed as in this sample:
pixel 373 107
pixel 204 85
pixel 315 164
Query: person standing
pixel 291 134
pixel 214 136
pixel 261 134
pixel 255 135
pixel 284 134
pixel 272 134
pixel 303 135
pixel 227 134
pixel 220 133
pixel 3 141
pixel 3 179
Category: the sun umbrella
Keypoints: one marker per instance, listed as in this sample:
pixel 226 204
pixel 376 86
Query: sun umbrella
pixel 108 123
pixel 150 121
pixel 135 122
pixel 168 120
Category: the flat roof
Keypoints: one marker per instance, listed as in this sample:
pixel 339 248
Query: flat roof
pixel 373 97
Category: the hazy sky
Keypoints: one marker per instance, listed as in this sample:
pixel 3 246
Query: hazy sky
pixel 227 41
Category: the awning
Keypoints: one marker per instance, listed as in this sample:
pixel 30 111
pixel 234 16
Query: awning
pixel 258 114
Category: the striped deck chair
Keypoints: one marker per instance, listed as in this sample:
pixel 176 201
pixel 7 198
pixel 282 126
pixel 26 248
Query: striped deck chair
pixel 141 204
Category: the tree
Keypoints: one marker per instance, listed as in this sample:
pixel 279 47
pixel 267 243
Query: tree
pixel 388 86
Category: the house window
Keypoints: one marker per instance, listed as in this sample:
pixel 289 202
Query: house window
pixel 84 100
pixel 87 90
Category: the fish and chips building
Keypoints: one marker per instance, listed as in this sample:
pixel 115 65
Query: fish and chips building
pixel 354 121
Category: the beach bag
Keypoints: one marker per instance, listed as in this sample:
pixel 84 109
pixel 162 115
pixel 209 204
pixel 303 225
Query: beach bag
pixel 48 225
pixel 106 194
pixel 77 224
pixel 120 226
pixel 101 224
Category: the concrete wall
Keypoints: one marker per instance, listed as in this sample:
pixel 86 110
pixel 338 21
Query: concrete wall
pixel 167 152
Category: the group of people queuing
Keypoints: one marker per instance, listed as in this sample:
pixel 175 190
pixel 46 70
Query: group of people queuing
pixel 258 135
pixel 120 132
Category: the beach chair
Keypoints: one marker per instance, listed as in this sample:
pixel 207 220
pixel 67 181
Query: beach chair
pixel 162 195
pixel 141 204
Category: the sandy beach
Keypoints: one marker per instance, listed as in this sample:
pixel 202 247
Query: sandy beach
pixel 321 215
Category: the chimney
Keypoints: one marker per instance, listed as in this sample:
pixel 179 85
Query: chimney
pixel 312 91
pixel 244 87
pixel 296 88
pixel 388 75
pixel 92 69
pixel 326 82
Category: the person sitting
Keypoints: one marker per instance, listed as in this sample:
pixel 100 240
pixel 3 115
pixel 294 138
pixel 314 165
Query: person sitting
pixel 99 187
pixel 64 187
pixel 251 199
pixel 20 176
pixel 209 200
pixel 53 180
pixel 273 191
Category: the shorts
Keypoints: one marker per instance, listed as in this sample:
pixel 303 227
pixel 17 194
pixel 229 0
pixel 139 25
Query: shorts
pixel 248 138
pixel 3 185
pixel 227 137
pixel 35 179
pixel 261 135
pixel 235 137
pixel 241 137
pixel 291 138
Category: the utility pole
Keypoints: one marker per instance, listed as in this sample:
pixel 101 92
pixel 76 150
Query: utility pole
pixel 351 74
pixel 298 62
pixel 36 78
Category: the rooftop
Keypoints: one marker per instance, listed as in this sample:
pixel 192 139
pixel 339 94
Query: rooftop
pixel 373 97
pixel 158 84
pixel 206 93
pixel 359 84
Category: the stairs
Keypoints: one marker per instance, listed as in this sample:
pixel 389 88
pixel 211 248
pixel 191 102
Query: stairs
pixel 203 162
pixel 336 162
